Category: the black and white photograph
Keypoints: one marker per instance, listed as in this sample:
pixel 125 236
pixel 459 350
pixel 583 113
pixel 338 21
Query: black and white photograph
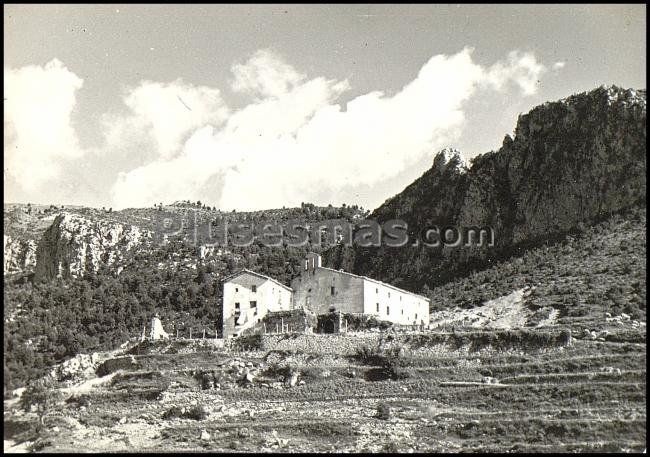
pixel 324 228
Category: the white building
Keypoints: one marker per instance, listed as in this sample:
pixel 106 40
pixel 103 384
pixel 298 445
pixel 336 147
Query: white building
pixel 247 297
pixel 322 289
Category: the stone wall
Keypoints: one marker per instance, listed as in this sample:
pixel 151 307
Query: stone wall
pixel 318 344
pixel 416 344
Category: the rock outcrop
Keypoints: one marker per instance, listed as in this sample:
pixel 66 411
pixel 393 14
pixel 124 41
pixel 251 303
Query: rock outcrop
pixel 19 255
pixel 570 164
pixel 74 245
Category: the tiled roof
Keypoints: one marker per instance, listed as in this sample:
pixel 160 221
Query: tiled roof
pixel 259 275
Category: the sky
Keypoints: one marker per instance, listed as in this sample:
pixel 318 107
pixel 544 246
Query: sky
pixel 263 106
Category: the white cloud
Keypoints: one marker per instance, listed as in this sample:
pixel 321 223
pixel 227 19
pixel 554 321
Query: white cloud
pixel 294 139
pixel 521 69
pixel 38 105
pixel 265 75
pixel 166 113
pixel 559 65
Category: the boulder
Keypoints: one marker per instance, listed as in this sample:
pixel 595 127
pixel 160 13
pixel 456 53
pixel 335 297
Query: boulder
pixel 292 379
pixel 120 363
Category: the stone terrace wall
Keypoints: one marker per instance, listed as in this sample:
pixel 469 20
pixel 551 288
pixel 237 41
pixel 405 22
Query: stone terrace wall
pixel 415 344
pixel 318 343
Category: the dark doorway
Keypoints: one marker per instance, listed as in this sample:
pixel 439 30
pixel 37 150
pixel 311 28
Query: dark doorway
pixel 328 326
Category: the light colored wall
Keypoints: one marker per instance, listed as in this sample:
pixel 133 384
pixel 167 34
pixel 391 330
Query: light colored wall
pixel 394 306
pixel 269 297
pixel 348 291
pixel 356 295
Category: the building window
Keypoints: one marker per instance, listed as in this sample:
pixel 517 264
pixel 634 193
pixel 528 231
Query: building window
pixel 400 298
pixel 253 288
pixel 236 306
pixel 388 294
pixel 376 291
pixel 416 316
pixel 377 307
pixel 253 304
pixel 387 310
pixel 402 312
pixel 333 290
pixel 236 289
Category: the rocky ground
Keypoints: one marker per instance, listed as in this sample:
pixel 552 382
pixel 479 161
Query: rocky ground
pixel 588 396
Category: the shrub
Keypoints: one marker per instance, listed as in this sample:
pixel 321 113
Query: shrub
pixel 279 370
pixel 392 448
pixel 196 412
pixel 397 373
pixel 41 395
pixel 248 342
pixel 379 356
pixel 173 412
pixel 383 411
pixel 79 400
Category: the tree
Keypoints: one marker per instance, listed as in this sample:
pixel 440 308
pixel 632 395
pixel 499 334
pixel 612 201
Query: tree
pixel 201 275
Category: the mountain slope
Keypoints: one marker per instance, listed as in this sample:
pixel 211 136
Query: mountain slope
pixel 570 164
pixel 582 282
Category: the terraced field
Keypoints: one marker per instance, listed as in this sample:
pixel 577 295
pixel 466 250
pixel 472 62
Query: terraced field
pixel 589 396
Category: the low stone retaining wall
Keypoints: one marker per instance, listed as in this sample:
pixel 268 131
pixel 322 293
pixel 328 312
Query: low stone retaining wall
pixel 318 344
pixel 415 344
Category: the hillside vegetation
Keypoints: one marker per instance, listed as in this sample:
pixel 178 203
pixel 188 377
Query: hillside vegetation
pixel 586 276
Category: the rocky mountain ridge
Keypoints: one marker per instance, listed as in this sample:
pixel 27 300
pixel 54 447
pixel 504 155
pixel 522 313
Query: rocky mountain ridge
pixel 570 164
pixel 66 242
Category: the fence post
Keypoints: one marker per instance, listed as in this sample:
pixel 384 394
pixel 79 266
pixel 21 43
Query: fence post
pixel 282 322
pixel 264 327
pixel 203 333
pixel 190 332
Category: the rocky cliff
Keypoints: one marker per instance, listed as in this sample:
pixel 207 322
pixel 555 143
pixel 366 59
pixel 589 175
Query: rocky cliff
pixel 73 245
pixel 19 255
pixel 570 164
